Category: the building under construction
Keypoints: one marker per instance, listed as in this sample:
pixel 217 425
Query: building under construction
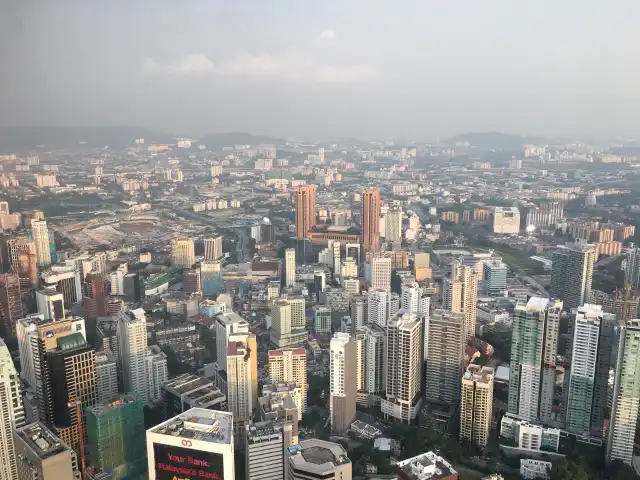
pixel 116 438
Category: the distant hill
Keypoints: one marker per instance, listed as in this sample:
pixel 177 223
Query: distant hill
pixel 497 140
pixel 238 138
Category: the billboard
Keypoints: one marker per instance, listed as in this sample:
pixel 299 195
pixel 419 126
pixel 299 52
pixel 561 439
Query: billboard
pixel 171 463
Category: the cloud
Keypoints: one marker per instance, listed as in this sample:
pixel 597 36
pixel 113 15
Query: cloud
pixel 295 67
pixel 327 35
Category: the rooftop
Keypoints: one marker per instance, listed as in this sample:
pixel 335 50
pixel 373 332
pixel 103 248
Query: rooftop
pixel 317 456
pixel 107 407
pixel 41 440
pixel 200 424
pixel 427 466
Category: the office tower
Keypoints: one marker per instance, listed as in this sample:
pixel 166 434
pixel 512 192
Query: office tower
pixel 132 291
pixel 264 450
pixel 132 348
pixel 227 324
pixel 412 300
pixel 290 366
pixel 589 373
pixel 321 319
pixel 381 272
pixel 476 404
pixel 66 280
pixel 290 267
pixel 358 311
pixel 393 226
pixel 404 362
pixel 11 413
pixel 370 343
pixel 50 304
pixel 572 274
pixel 213 249
pixel 41 455
pixel 289 323
pixel 421 266
pixel 96 291
pixel 188 391
pixel 370 220
pixel 460 295
pixel 626 394
pixel 203 436
pixel 211 278
pixel 106 377
pixel 117 279
pixel 495 278
pixel 25 329
pixel 342 378
pixel 157 372
pixel 335 246
pixel 182 252
pixel 444 356
pixel 315 458
pixel 242 382
pixel 534 344
pixel 378 308
pixel 40 235
pixel 305 207
pixel 10 302
pixel 115 437
pixel 72 377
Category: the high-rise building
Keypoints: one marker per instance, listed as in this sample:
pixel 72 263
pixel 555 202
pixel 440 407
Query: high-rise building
pixel 290 267
pixel 157 372
pixel 280 403
pixel 290 366
pixel 358 311
pixel 115 438
pixel 589 373
pixel 315 458
pixel 191 281
pixel 132 291
pixel 188 391
pixel 476 404
pixel 534 344
pixel 495 277
pixel 370 219
pixel 404 367
pixel 66 280
pixel 50 303
pixel 632 267
pixel 11 413
pixel 444 356
pixel 572 274
pixel 25 329
pixel 289 322
pixel 242 382
pixel 626 394
pixel 412 299
pixel 41 455
pixel 264 451
pixel 393 227
pixel 335 255
pixel 96 291
pixel 227 324
pixel 505 220
pixel 460 295
pixel 381 272
pixel 421 266
pixel 117 279
pixel 106 377
pixel 132 348
pixel 370 343
pixel 182 252
pixel 197 440
pixel 40 235
pixel 305 207
pixel 342 382
pixel 211 278
pixel 213 249
pixel 321 319
pixel 10 302
pixel 378 307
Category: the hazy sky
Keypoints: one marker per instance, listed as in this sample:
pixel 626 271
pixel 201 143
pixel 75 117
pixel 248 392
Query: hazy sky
pixel 319 68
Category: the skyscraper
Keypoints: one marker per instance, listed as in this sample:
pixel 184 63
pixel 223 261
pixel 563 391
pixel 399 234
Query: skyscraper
pixel 404 363
pixel 265 450
pixel 11 413
pixel 370 342
pixel 213 249
pixel 370 219
pixel 572 274
pixel 183 252
pixel 290 366
pixel 589 372
pixel 412 300
pixel 476 404
pixel 381 272
pixel 288 322
pixel 460 295
pixel 358 311
pixel 495 277
pixel 378 307
pixel 342 382
pixel 393 227
pixel 632 267
pixel 305 206
pixel 443 354
pixel 534 344
pixel 132 348
pixel 40 234
pixel 211 278
pixel 10 302
pixel 290 267
pixel 242 382
pixel 227 324
pixel 626 395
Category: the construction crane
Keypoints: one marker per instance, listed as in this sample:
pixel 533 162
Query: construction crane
pixel 77 404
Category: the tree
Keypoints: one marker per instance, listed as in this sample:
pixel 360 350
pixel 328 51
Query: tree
pixel 571 469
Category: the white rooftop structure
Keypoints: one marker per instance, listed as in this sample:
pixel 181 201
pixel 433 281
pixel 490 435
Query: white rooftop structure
pixel 199 424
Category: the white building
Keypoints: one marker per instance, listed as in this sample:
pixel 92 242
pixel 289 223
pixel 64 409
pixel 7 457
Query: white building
pixel 132 348
pixel 370 374
pixel 531 469
pixel 242 382
pixel 378 308
pixel 265 448
pixel 412 300
pixel 227 324
pixel 342 382
pixel 11 413
pixel 26 328
pixel 117 279
pixel 290 267
pixel 50 304
pixel 157 372
pixel 505 220
pixel 393 227
pixel 106 377
pixel 381 272
pixel 196 438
